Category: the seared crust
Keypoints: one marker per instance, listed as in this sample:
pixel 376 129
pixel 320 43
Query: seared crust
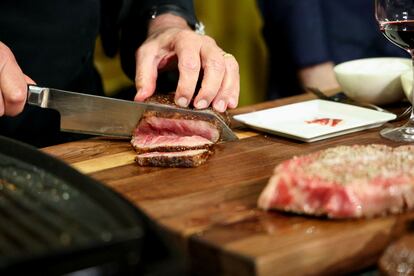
pixel 185 160
pixel 140 150
pixel 181 116
pixel 168 99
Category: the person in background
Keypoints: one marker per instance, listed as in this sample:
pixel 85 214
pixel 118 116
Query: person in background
pixel 51 43
pixel 306 38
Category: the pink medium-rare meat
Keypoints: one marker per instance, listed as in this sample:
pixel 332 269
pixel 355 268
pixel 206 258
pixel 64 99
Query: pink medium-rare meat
pixel 168 143
pixel 194 123
pixel 189 158
pixel 344 182
pixel 165 135
pixel 151 123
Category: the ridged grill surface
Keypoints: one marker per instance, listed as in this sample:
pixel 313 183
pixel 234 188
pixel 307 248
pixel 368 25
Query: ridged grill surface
pixel 40 212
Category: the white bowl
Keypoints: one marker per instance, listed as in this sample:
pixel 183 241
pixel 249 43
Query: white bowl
pixel 373 80
pixel 407 83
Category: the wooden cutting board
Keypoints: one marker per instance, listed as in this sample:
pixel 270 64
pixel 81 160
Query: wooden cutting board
pixel 211 210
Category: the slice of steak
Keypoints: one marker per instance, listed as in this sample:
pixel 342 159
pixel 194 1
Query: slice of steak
pixel 174 139
pixel 344 182
pixel 188 158
pixel 167 143
pixel 194 123
pixel 160 124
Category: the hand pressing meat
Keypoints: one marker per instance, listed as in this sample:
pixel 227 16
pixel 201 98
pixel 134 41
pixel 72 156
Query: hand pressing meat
pixel 344 182
pixel 173 139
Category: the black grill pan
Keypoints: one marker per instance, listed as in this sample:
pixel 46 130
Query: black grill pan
pixel 55 220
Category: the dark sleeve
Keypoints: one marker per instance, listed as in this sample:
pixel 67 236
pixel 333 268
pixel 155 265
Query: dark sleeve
pixel 183 8
pixel 134 26
pixel 301 25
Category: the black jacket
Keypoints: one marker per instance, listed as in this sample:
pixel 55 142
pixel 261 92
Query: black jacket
pixel 53 42
pixel 302 33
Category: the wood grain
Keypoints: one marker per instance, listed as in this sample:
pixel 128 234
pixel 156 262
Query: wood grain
pixel 212 210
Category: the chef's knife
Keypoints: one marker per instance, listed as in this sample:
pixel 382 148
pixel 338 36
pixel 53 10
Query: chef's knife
pixel 83 113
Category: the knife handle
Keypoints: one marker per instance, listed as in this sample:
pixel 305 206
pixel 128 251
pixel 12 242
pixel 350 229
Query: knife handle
pixel 37 95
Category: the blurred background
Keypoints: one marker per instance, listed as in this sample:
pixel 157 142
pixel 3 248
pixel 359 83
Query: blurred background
pixel 236 28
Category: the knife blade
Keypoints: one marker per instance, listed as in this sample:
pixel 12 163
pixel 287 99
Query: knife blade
pixel 97 115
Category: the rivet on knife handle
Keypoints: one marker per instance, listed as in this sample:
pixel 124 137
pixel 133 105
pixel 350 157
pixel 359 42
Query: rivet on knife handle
pixel 37 95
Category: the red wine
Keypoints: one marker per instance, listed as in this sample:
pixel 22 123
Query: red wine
pixel 400 32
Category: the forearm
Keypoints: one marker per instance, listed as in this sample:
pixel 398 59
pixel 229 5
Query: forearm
pixel 303 30
pixel 320 76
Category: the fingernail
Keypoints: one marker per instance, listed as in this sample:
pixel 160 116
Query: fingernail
pixel 182 102
pixel 202 104
pixel 139 94
pixel 220 106
pixel 232 103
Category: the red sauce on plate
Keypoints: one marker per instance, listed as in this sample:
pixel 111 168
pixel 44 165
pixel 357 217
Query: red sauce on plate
pixel 325 121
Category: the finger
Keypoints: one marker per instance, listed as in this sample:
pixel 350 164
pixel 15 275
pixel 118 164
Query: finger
pixel 228 95
pixel 12 85
pixel 214 68
pixel 146 70
pixel 1 104
pixel 189 65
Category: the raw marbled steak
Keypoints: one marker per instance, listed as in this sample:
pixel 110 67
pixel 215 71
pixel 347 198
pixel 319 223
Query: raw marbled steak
pixel 344 182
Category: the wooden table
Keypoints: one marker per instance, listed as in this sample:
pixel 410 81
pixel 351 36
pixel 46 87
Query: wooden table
pixel 211 210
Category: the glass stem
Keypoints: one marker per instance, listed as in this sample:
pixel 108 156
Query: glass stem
pixel 412 90
pixel 408 127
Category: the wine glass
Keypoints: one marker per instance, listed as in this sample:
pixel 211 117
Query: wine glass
pixel 396 22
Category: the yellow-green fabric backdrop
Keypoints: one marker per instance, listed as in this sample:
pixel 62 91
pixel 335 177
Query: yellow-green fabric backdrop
pixel 236 26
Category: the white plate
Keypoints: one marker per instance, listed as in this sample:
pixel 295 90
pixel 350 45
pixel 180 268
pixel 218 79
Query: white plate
pixel 297 120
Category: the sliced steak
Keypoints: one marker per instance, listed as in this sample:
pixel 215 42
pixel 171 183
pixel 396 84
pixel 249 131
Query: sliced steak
pixel 344 182
pixel 188 158
pixel 174 139
pixel 168 143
